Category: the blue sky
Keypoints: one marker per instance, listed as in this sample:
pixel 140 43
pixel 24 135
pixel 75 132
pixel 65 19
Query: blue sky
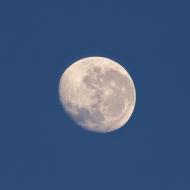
pixel 41 148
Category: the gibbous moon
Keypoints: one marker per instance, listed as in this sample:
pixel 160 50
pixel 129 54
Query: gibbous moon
pixel 98 94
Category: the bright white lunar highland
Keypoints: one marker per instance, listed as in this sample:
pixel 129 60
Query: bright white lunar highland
pixel 98 94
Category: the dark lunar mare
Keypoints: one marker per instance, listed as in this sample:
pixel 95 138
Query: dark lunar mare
pixel 99 81
pixel 84 114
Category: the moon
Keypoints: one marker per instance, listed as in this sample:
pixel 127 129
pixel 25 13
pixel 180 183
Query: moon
pixel 98 94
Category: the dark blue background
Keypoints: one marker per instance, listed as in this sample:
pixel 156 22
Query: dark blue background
pixel 41 148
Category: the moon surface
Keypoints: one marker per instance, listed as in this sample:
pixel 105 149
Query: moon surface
pixel 98 94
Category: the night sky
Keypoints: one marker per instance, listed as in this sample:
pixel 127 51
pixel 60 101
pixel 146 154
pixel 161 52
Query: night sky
pixel 41 148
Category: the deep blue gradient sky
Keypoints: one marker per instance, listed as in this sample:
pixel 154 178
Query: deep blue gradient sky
pixel 41 148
